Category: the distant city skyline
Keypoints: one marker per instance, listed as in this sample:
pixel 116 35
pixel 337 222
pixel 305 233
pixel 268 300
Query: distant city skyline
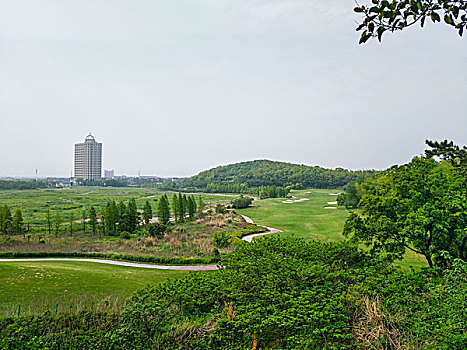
pixel 173 88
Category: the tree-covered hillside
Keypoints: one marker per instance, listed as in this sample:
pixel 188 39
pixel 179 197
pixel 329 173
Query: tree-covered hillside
pixel 266 173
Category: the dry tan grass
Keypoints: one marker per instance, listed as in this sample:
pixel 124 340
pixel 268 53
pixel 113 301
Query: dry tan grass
pixel 188 239
pixel 375 328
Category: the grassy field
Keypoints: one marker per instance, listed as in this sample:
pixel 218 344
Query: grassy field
pixel 35 203
pixel 68 286
pixel 309 220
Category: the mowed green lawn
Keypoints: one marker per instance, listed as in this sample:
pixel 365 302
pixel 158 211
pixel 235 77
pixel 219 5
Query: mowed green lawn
pixel 69 286
pixel 309 219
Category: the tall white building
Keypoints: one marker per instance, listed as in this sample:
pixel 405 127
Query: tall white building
pixel 88 159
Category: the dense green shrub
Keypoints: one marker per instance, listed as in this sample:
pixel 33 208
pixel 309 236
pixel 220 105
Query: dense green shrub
pixel 242 202
pixel 221 239
pixel 125 235
pixel 84 330
pixel 275 293
pixel 156 229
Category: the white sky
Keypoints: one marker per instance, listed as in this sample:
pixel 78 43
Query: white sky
pixel 175 87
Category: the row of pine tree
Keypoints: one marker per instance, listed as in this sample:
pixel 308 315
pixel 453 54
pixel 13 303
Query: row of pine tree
pixel 114 219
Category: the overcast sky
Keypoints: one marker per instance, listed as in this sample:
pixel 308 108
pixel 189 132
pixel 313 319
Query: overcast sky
pixel 175 87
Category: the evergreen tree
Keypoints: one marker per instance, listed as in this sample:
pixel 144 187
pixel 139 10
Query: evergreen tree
pixel 121 216
pixel 147 213
pixel 193 200
pixel 133 216
pixel 92 219
pixel 181 206
pixel 111 218
pixel 6 219
pixel 185 205
pixel 163 210
pixel 18 221
pixel 191 207
pixel 175 207
pixel 200 204
pixel 103 224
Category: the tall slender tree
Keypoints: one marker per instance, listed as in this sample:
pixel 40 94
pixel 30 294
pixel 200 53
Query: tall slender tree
pixel 181 207
pixel 111 218
pixel 121 214
pixel 93 219
pixel 163 210
pixel 175 207
pixel 133 216
pixel 18 221
pixel 103 224
pixel 147 213
pixel 191 207
pixel 200 204
pixel 6 219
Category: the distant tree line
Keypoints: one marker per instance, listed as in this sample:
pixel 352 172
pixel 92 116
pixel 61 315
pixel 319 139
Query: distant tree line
pixel 262 191
pixel 22 184
pixel 130 181
pixel 103 182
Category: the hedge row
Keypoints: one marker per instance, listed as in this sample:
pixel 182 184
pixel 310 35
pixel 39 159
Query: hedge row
pixel 249 230
pixel 142 259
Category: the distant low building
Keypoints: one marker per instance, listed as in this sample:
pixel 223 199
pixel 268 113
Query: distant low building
pixel 109 174
pixel 88 159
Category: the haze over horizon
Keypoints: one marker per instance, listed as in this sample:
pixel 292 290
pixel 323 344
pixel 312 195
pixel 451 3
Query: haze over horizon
pixel 174 88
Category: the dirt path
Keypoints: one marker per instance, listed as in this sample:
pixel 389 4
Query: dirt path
pixel 249 238
pixel 121 263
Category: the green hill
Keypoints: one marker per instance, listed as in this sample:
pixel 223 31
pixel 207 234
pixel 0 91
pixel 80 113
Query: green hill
pixel 270 173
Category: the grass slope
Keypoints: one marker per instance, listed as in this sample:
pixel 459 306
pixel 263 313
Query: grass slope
pixel 307 219
pixel 40 286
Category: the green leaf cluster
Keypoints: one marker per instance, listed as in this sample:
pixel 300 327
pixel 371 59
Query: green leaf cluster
pixel 382 15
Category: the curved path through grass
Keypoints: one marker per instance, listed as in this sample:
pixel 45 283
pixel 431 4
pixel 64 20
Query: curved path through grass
pixel 249 238
pixel 122 263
